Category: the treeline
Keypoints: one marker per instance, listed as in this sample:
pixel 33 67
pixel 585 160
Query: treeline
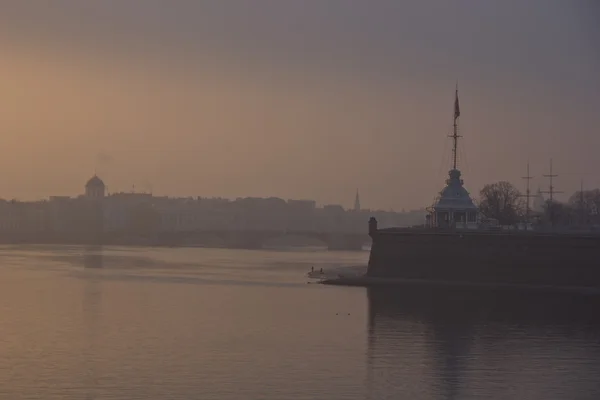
pixel 504 202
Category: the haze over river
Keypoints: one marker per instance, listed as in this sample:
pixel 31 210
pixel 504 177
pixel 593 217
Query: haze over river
pixel 191 323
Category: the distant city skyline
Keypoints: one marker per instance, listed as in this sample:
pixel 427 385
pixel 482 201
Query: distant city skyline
pixel 112 218
pixel 148 189
pixel 297 99
pixel 538 184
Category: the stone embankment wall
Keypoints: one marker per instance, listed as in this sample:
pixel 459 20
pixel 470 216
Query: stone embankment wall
pixel 522 258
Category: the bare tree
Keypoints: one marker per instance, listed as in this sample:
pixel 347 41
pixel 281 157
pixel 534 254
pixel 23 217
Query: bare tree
pixel 586 205
pixel 501 201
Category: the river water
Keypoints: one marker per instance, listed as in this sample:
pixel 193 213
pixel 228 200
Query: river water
pixel 135 323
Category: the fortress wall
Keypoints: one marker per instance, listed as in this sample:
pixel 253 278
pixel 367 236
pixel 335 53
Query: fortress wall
pixel 527 259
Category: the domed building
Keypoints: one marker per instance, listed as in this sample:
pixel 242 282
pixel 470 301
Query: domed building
pixel 454 206
pixel 95 188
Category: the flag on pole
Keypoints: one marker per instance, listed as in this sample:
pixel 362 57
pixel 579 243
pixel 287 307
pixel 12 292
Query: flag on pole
pixel 456 106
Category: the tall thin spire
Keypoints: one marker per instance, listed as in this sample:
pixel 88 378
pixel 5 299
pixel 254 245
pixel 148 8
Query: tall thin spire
pixel 455 134
pixel 357 202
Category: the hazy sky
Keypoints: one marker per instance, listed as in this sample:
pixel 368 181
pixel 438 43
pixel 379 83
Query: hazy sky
pixel 296 99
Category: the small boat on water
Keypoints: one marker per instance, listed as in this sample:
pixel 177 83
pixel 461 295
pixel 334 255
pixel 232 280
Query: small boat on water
pixel 337 273
pixel 317 274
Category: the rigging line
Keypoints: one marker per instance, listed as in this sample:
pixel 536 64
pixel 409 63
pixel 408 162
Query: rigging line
pixel 463 155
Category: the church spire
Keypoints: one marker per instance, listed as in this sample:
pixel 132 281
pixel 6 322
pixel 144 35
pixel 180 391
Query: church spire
pixel 357 202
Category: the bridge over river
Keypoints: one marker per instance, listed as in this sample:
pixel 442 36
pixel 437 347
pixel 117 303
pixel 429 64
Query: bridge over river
pixel 256 239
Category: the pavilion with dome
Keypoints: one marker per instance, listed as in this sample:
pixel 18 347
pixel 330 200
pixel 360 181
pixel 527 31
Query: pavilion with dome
pixel 454 207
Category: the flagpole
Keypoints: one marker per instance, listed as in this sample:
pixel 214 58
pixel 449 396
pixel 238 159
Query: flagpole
pixel 455 135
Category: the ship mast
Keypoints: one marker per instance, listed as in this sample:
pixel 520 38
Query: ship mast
pixel 455 134
pixel 528 178
pixel 582 204
pixel 551 191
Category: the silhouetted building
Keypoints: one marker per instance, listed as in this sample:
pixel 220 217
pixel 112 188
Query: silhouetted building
pixel 96 214
pixel 454 206
pixel 95 188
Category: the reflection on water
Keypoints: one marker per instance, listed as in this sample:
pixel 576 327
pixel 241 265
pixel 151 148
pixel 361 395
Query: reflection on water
pixel 449 344
pixel 155 323
pixel 143 323
pixel 91 316
pixel 93 256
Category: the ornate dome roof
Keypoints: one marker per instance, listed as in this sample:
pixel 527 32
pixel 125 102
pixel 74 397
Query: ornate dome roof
pixel 95 182
pixel 454 195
